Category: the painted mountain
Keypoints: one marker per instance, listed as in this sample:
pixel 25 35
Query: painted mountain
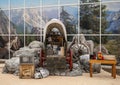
pixel 4 28
pixel 113 22
pixel 32 18
pixel 4 24
pixel 35 20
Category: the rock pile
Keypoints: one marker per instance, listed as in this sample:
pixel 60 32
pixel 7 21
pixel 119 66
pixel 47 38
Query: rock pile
pixel 80 61
pixel 12 65
pixel 80 55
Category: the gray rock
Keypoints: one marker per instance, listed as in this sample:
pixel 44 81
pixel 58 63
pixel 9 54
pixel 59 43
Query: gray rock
pixel 38 75
pixel 41 73
pixel 96 68
pixel 36 44
pixel 90 44
pixel 76 71
pixel 24 48
pixel 75 65
pixel 81 41
pixel 84 60
pixel 11 65
pixel 78 50
pixel 16 73
pixel 25 51
pixel 5 70
pixel 36 61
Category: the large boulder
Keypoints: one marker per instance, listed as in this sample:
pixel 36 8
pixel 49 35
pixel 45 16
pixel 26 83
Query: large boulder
pixel 11 65
pixel 36 44
pixel 84 61
pixel 25 51
pixel 90 44
pixel 81 41
pixel 77 50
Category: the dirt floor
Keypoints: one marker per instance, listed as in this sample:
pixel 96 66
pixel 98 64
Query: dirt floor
pixel 103 78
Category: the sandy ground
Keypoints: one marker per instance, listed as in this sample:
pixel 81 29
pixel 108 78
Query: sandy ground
pixel 103 78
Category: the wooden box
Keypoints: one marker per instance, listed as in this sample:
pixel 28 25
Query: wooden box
pixel 26 71
pixel 26 67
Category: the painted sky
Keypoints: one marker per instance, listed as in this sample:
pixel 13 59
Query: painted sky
pixel 4 4
pixel 112 6
pixel 109 0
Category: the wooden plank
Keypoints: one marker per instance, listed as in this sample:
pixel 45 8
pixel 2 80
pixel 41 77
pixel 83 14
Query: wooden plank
pixel 103 61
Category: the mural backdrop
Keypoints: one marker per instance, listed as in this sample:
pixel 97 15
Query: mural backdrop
pixel 23 21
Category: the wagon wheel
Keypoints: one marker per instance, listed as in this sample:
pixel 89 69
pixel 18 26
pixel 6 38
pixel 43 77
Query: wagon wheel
pixel 79 49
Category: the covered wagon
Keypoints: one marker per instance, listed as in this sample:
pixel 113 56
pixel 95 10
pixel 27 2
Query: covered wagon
pixel 55 42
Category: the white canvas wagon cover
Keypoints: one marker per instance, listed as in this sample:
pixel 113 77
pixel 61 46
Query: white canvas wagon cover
pixel 55 23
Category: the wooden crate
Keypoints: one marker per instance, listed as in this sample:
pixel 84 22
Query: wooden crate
pixel 26 70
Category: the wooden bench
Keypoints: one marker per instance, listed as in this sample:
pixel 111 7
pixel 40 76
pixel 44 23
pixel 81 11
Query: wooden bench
pixel 110 62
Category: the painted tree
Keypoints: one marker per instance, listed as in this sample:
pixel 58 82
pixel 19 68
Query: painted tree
pixel 90 17
pixel 113 45
pixel 68 21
